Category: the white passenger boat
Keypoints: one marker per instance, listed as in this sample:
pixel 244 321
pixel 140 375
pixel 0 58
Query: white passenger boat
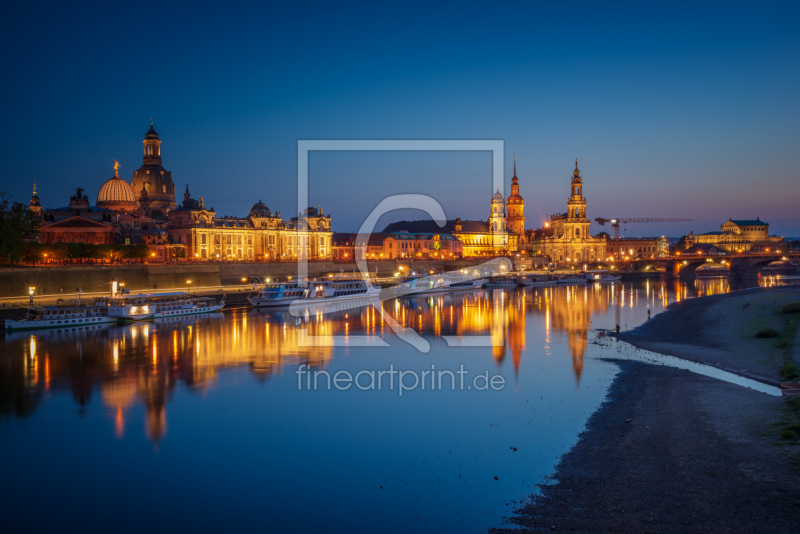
pixel 128 308
pixel 573 278
pixel 313 291
pixel 277 294
pixel 538 280
pixel 61 317
pixel 438 283
pixel 120 308
pixel 603 276
pixel 503 281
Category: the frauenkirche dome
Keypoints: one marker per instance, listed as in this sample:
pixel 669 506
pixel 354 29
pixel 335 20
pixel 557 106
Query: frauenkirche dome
pixel 116 194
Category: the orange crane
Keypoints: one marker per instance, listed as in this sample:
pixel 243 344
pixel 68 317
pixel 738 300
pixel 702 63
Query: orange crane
pixel 626 220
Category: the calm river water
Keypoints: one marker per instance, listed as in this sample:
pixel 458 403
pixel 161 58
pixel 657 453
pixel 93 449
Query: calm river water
pixel 204 424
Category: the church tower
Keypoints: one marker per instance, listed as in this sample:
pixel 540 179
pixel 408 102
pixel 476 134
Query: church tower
pixel 497 222
pixel 35 206
pixel 516 208
pixel 153 178
pixel 576 225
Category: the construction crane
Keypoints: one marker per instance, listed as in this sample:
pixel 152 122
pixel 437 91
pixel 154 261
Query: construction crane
pixel 626 220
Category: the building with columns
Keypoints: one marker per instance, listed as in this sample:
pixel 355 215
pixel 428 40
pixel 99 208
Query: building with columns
pixel 145 211
pixel 741 235
pixel 568 238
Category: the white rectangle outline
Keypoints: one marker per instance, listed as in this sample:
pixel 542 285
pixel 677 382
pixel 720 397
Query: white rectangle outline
pixel 304 146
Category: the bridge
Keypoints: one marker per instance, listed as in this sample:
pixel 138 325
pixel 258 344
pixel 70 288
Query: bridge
pixel 741 266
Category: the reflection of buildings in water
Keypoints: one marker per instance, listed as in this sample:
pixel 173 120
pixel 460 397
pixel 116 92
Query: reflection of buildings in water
pixel 711 286
pixel 145 361
pixel 571 309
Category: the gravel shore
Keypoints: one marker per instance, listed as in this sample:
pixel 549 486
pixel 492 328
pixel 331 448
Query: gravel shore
pixel 673 451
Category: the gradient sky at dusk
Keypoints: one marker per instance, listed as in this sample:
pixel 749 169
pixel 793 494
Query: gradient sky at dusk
pixel 673 109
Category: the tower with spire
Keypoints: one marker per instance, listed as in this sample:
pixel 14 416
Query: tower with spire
pixel 576 225
pixel 35 206
pixel 516 211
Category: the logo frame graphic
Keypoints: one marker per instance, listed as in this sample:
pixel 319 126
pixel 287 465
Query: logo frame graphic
pixel 304 146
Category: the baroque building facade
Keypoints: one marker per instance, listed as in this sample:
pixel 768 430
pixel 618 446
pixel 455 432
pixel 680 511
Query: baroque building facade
pixel 503 232
pixel 569 239
pixel 145 211
pixel 741 236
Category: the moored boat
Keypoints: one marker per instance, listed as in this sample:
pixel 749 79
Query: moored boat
pixel 572 278
pixel 502 281
pixel 603 275
pixel 538 280
pixel 312 292
pixel 452 281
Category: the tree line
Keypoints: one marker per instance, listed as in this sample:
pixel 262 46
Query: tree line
pixel 19 232
pixel 81 252
pixel 18 226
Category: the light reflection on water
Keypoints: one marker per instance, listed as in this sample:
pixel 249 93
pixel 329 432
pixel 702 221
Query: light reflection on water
pixel 233 439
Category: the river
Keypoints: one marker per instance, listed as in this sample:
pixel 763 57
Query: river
pixel 239 420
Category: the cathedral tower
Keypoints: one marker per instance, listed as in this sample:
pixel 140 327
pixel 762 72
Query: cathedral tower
pixel 497 222
pixel 576 225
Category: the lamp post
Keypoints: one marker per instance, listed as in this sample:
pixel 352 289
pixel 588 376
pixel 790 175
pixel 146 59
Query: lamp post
pixel 31 291
pixel 188 285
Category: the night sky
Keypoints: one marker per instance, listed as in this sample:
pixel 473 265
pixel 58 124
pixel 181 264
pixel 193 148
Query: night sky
pixel 673 109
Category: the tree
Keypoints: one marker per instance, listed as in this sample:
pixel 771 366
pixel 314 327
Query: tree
pixel 74 251
pixel 681 245
pixel 120 252
pixel 32 252
pixel 18 226
pixel 102 252
pixel 177 253
pixel 57 251
pixel 140 251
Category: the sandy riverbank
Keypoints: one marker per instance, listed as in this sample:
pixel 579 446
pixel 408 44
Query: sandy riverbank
pixel 673 451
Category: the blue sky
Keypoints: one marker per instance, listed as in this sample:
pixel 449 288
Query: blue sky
pixel 673 109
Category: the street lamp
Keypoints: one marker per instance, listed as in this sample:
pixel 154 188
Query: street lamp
pixel 31 291
pixel 188 285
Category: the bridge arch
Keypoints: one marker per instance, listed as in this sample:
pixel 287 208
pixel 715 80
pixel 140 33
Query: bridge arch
pixel 751 268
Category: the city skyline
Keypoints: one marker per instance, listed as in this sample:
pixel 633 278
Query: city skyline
pixel 695 121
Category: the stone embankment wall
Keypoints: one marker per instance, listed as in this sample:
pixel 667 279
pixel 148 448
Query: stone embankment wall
pixel 14 282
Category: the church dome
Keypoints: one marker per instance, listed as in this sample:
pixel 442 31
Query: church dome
pixel 260 209
pixel 152 176
pixel 498 196
pixel 116 194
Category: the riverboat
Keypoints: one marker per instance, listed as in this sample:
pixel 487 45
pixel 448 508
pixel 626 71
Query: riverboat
pixel 503 281
pixel 120 308
pixel 129 308
pixel 573 278
pixel 312 291
pixel 541 280
pixel 39 317
pixel 603 276
pixel 454 281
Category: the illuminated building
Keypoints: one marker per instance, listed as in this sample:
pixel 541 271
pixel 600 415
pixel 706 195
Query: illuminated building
pixel 145 211
pixel 741 236
pixel 636 247
pixel 499 234
pixel 153 179
pixel 397 245
pixel 568 238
